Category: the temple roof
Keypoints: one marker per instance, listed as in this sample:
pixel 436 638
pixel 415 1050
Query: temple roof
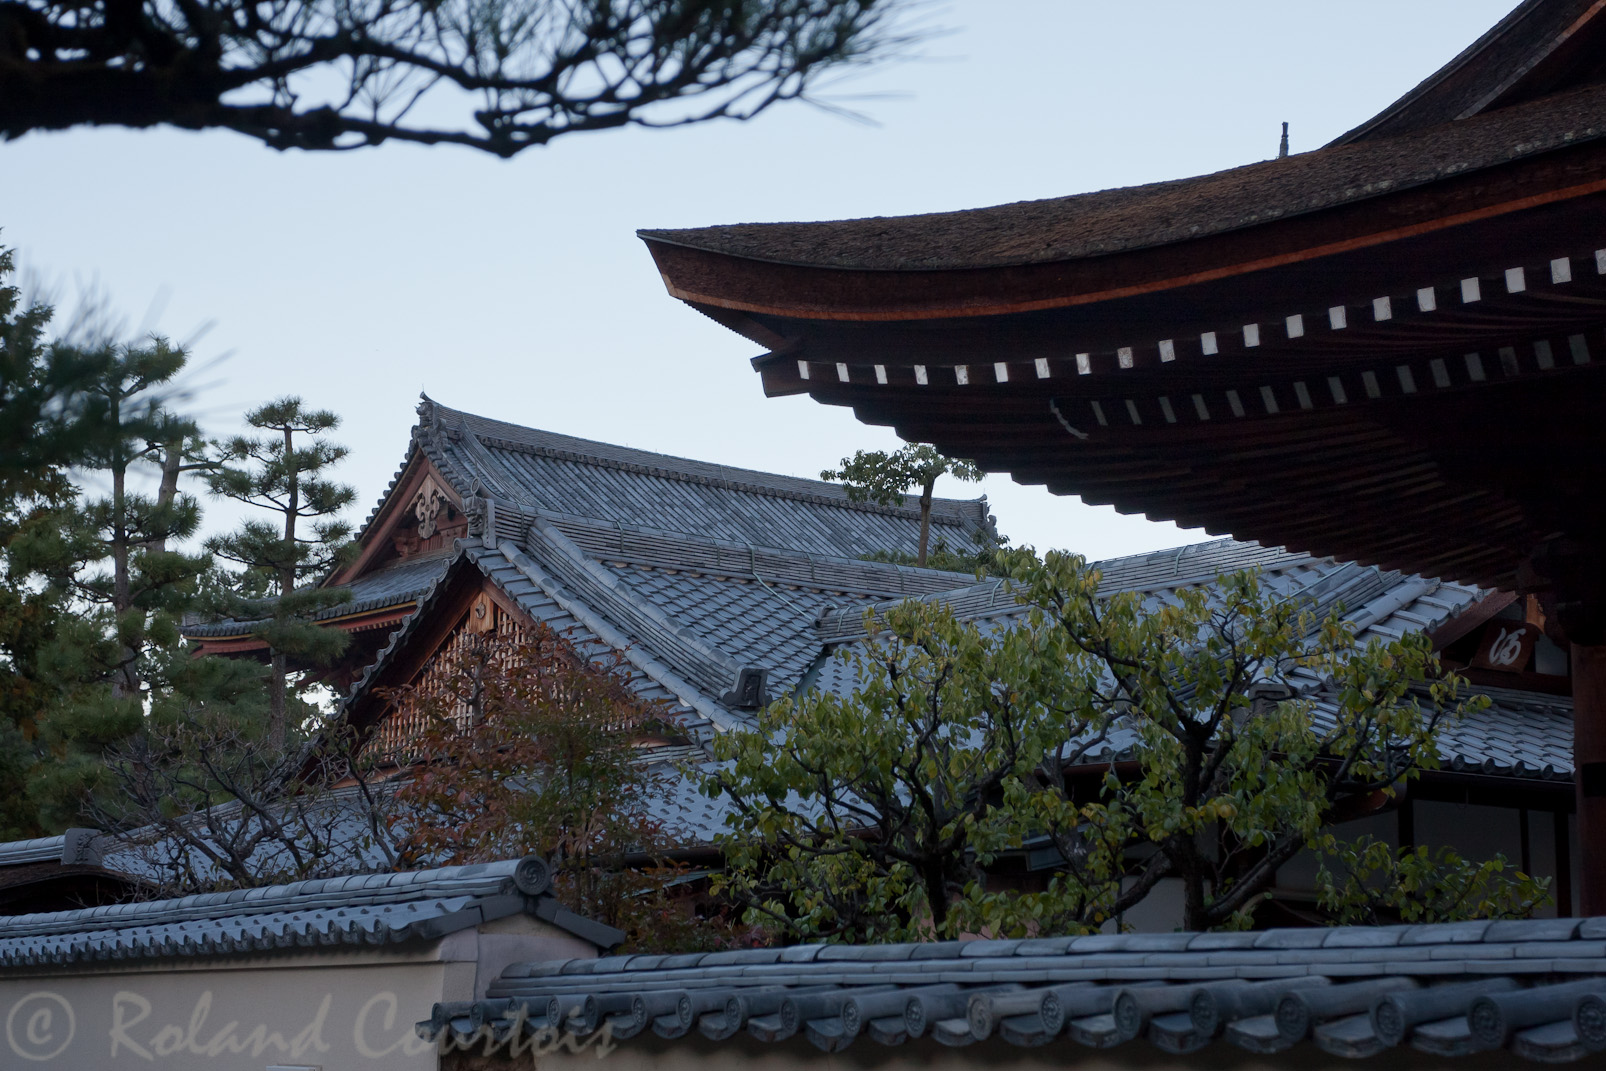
pixel 396 585
pixel 1387 350
pixel 1161 213
pixel 1536 988
pixel 1446 127
pixel 617 484
pixel 690 615
pixel 1533 50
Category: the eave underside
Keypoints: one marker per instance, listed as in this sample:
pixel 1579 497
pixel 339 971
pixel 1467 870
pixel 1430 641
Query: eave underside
pixel 1432 405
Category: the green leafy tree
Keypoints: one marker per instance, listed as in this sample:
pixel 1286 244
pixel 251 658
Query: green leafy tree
pixel 285 472
pixel 875 816
pixel 1374 884
pixel 886 479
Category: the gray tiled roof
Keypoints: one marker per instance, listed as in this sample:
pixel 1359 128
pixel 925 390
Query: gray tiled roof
pixel 547 602
pixel 1446 989
pixel 759 622
pixel 77 846
pixel 540 469
pixel 395 585
pixel 366 909
pixel 688 613
pixel 1522 734
pixel 1379 603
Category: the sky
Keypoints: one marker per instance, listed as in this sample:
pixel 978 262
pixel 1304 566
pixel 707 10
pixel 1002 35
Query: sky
pixel 517 289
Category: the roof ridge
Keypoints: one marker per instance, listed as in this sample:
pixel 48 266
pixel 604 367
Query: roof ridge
pixel 474 879
pixel 709 667
pixel 655 548
pixel 948 511
pixel 607 632
pixel 980 599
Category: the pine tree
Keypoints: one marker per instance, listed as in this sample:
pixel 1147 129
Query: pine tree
pixel 883 478
pixel 283 472
pixel 113 559
pixel 87 596
pixel 142 584
pixel 37 444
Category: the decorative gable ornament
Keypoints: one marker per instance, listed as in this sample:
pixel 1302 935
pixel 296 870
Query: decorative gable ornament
pixel 428 505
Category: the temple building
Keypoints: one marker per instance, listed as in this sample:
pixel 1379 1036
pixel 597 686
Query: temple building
pixel 722 588
pixel 1389 350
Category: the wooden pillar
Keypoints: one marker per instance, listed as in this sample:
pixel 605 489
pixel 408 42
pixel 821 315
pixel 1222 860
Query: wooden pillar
pixel 1589 773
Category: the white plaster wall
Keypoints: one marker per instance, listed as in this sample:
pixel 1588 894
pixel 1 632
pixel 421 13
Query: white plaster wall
pixel 193 1019
pixel 336 1010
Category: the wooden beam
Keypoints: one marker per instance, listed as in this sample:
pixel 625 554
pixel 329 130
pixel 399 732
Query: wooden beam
pixel 1589 766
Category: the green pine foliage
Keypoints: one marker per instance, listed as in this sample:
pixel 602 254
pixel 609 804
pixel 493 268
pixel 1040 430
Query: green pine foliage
pixel 284 472
pixel 95 577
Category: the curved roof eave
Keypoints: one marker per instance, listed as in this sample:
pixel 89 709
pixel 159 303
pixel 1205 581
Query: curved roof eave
pixel 1137 218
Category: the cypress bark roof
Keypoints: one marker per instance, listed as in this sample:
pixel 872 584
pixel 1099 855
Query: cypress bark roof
pixel 1161 213
pixel 1505 97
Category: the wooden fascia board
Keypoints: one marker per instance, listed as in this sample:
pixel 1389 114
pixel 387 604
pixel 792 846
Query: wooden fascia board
pixel 1473 617
pixel 378 617
pixel 711 280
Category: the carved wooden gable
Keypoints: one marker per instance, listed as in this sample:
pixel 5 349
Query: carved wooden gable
pixel 421 515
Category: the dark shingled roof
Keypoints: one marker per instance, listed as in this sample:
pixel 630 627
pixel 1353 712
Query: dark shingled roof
pixel 1489 66
pixel 1138 217
pixel 1537 988
pixel 687 613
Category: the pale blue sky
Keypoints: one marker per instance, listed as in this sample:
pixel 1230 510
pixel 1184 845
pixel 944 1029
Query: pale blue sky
pixel 518 289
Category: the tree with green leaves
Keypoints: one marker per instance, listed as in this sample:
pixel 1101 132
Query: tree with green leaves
pixel 1206 742
pixel 285 472
pixel 886 479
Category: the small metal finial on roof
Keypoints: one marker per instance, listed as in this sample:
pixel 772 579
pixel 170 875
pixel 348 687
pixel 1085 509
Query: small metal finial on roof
pixel 1282 150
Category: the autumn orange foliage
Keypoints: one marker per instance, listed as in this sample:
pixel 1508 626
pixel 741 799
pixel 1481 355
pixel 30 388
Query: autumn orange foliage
pixel 522 746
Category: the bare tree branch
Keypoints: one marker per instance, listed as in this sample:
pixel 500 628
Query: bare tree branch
pixel 495 75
